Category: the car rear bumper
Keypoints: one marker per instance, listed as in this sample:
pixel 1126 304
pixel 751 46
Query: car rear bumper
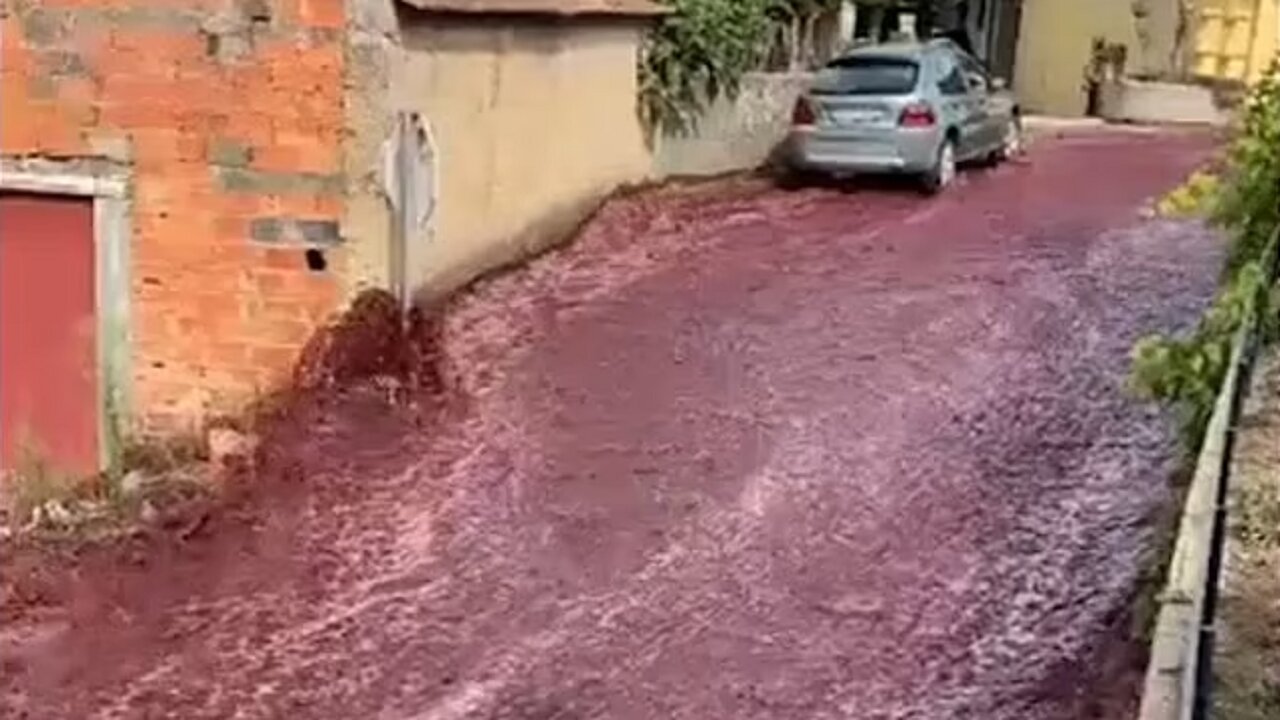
pixel 839 150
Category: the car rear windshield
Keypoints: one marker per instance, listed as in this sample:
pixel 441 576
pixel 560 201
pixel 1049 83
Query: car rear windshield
pixel 867 76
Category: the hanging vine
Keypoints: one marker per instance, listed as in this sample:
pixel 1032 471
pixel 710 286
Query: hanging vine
pixel 696 54
pixel 1187 372
pixel 701 50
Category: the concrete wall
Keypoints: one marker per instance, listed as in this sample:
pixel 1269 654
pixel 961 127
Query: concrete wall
pixel 1150 102
pixel 1236 39
pixel 534 122
pixel 225 122
pixel 1054 46
pixel 734 134
pixel 373 59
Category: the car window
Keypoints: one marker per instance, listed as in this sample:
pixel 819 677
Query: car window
pixel 867 76
pixel 950 77
pixel 977 76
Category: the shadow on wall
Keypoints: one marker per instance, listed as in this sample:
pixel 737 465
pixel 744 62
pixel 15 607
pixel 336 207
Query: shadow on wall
pixel 738 134
pixel 554 227
pixel 535 122
pixel 375 338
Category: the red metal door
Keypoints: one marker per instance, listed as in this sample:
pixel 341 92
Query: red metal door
pixel 48 332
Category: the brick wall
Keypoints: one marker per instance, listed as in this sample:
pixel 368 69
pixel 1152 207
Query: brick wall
pixel 227 115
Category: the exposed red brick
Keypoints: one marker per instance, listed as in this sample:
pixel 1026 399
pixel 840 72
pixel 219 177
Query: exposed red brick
pixel 321 13
pixel 160 47
pixel 217 305
pixel 81 92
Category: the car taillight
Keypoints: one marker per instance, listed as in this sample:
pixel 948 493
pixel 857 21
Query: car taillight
pixel 803 113
pixel 917 115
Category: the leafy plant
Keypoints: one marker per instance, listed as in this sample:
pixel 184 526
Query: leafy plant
pixel 701 50
pixel 1250 202
pixel 34 487
pixel 696 54
pixel 1193 198
pixel 1188 372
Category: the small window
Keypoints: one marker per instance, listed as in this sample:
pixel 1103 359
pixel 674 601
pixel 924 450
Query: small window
pixel 867 76
pixel 979 81
pixel 950 77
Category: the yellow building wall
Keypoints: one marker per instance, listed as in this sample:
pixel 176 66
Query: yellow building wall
pixel 534 123
pixel 1236 39
pixel 1054 45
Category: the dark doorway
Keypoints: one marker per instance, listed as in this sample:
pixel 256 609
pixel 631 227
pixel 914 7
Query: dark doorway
pixel 1003 49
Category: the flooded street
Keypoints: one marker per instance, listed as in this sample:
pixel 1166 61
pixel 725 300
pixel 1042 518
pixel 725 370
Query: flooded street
pixel 737 456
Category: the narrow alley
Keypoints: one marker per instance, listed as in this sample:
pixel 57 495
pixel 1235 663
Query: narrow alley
pixel 834 453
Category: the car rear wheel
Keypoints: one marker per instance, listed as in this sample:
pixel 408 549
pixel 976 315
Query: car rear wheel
pixel 943 172
pixel 1011 146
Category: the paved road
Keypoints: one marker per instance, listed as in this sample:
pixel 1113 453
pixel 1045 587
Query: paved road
pixel 732 456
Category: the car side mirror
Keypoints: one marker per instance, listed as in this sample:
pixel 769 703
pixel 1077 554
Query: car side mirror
pixel 999 84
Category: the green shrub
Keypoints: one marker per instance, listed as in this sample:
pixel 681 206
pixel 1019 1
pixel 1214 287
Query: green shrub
pixel 1187 372
pixel 1249 204
pixel 701 50
pixel 1193 198
pixel 34 485
pixel 697 53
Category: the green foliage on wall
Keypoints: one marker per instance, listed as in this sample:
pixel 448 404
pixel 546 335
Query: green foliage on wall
pixel 1187 372
pixel 697 53
pixel 702 49
pixel 1250 201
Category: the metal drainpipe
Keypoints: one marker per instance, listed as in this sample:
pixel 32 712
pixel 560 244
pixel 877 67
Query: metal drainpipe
pixel 396 194
pixel 413 206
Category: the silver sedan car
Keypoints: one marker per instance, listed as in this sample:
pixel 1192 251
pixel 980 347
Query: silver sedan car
pixel 914 108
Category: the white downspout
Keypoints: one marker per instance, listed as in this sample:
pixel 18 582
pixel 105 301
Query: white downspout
pixel 412 173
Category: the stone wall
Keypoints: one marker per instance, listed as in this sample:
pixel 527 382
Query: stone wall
pixel 736 134
pixel 226 119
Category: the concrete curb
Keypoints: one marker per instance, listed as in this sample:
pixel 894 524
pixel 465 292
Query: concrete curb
pixel 1179 669
pixel 1038 128
pixel 1047 126
pixel 1170 688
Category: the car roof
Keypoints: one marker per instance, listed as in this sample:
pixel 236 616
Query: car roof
pixel 900 50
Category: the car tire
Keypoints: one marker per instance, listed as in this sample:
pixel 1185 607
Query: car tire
pixel 1011 143
pixel 943 172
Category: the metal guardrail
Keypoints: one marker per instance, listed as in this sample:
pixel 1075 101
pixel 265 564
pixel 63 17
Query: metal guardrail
pixel 1179 679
